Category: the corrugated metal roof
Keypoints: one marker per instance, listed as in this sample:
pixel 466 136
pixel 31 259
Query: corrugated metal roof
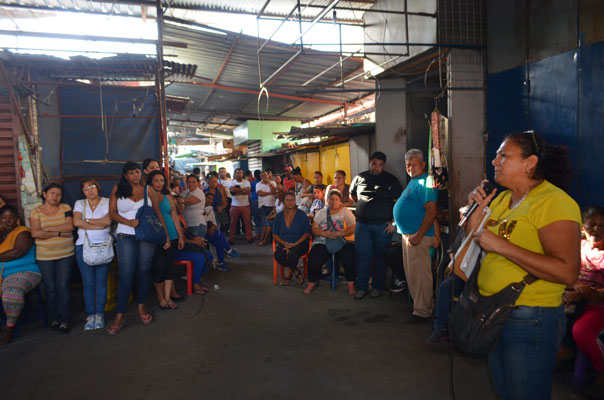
pixel 348 11
pixel 208 51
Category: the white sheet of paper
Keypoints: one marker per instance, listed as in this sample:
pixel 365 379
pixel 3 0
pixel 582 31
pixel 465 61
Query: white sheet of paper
pixel 469 261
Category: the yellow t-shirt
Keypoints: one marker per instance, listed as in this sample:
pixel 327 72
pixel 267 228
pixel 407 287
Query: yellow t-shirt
pixel 57 247
pixel 544 205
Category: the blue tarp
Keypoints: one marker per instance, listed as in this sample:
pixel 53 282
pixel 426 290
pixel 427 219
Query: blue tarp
pixel 91 147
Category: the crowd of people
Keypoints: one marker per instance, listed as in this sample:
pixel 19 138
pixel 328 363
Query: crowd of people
pixel 361 228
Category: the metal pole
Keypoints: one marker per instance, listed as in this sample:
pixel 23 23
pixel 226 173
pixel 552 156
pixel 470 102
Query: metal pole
pixel 161 89
pixel 327 70
pixel 402 89
pixel 341 59
pixel 317 18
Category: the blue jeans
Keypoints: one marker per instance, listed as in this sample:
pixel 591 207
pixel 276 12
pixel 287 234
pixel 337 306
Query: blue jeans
pixel 443 300
pixel 522 363
pixel 221 243
pixel 256 216
pixel 134 258
pixel 94 283
pixel 370 241
pixel 56 275
pixel 201 261
pixel 199 230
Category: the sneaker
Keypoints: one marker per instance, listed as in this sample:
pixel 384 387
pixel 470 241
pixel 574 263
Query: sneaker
pixel 437 337
pixel 360 294
pixel 64 328
pixel 398 286
pixel 223 267
pixel 233 254
pixel 99 321
pixel 416 319
pixel 89 325
pixel 375 293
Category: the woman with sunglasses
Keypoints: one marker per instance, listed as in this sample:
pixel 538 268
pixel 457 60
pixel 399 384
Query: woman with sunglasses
pixel 91 217
pixel 534 229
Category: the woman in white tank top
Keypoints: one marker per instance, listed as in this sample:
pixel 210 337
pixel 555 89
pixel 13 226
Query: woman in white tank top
pixel 134 256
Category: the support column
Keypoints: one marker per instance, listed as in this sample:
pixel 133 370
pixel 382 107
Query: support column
pixel 391 127
pixel 467 124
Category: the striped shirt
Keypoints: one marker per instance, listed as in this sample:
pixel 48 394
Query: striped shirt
pixel 57 247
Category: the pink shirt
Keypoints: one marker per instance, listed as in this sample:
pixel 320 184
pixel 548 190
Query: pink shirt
pixel 592 266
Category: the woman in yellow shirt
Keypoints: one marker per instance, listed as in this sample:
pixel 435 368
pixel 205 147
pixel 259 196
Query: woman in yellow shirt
pixel 534 229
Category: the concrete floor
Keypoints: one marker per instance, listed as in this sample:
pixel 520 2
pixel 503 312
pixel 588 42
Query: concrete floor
pixel 246 340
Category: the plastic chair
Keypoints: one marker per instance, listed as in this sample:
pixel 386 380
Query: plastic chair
pixel 189 266
pixel 277 266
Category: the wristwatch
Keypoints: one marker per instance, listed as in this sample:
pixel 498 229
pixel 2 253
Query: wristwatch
pixel 88 220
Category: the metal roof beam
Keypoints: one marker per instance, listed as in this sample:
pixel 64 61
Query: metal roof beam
pixel 328 69
pixel 316 19
pixel 263 8
pixel 277 29
pixel 93 38
pixel 373 10
pixel 281 69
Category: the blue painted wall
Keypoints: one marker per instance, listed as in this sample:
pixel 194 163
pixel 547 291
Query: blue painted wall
pixel 565 104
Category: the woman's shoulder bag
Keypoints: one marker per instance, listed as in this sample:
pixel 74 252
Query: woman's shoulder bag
pixel 149 227
pixel 476 321
pixel 333 245
pixel 96 254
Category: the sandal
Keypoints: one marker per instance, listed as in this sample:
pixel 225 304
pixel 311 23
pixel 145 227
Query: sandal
pixel 146 319
pixel 311 286
pixel 163 307
pixel 7 336
pixel 286 281
pixel 299 277
pixel 114 329
pixel 172 305
pixel 351 290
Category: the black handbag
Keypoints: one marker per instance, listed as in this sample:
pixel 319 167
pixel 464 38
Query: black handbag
pixel 149 227
pixel 476 321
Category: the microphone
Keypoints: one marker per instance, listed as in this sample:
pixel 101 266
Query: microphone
pixel 488 187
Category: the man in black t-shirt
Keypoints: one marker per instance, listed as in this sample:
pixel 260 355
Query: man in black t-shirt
pixel 375 192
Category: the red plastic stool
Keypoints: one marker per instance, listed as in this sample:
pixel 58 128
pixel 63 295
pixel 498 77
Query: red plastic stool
pixel 277 266
pixel 189 265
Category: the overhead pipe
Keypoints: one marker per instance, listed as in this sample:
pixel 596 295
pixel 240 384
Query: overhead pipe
pixel 445 45
pixel 402 89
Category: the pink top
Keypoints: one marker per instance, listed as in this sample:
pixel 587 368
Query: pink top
pixel 592 266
